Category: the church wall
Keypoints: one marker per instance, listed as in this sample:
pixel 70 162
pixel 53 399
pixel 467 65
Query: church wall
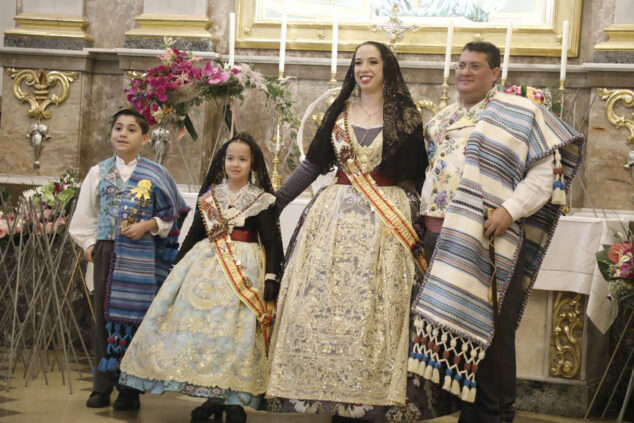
pixel 81 124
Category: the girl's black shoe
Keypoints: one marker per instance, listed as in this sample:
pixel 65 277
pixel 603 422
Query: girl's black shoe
pixel 209 408
pixel 236 414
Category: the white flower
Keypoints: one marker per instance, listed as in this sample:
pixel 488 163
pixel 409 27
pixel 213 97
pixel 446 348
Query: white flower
pixel 29 194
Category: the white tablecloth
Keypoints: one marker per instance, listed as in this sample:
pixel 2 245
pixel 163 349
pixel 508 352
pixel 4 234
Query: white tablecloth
pixel 570 263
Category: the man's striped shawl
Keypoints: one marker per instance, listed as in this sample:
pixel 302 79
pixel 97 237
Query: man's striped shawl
pixel 512 134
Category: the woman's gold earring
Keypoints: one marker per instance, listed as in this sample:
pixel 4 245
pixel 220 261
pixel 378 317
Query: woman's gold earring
pixel 253 177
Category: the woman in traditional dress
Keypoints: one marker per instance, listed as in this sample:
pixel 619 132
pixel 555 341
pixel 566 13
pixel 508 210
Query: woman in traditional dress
pixel 341 335
pixel 205 334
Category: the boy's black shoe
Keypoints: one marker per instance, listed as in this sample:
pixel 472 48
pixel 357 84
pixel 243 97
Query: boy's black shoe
pixel 127 400
pixel 98 400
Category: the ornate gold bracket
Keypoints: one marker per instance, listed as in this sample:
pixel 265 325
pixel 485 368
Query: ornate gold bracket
pixel 41 82
pixel 567 331
pixel 427 104
pixel 612 97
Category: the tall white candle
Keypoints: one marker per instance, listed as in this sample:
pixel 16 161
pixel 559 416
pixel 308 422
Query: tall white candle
pixel 335 41
pixel 507 51
pixel 564 51
pixel 283 43
pixel 448 49
pixel 232 38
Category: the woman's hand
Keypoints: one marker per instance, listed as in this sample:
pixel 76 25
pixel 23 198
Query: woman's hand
pixel 271 289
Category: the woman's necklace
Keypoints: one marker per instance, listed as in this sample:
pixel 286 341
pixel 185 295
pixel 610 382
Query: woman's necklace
pixel 370 115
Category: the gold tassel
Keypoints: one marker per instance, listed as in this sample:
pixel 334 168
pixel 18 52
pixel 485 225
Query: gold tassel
pixel 472 395
pixel 465 393
pixel 446 386
pixel 559 197
pixel 455 387
pixel 412 365
pixel 428 372
pixel 422 367
pixel 436 376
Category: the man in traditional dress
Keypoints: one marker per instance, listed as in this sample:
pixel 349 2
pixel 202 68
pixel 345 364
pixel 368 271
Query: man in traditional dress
pixel 501 152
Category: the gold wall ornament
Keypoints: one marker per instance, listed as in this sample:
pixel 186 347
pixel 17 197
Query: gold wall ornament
pixel 321 34
pixel 567 332
pixel 477 37
pixel 427 104
pixel 612 97
pixel 394 28
pixel 42 83
pixel 135 75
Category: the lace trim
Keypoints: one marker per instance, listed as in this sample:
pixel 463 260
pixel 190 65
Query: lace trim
pixel 248 203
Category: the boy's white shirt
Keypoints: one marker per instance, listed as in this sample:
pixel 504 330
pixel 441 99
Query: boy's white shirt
pixel 83 226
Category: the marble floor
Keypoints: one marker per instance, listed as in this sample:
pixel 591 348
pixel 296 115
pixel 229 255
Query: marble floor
pixel 53 402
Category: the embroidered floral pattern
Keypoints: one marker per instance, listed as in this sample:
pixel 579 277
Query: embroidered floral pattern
pixel 446 135
pixel 110 187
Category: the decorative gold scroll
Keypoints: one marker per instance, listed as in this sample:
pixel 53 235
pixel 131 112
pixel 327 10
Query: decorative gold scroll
pixel 42 83
pixel 612 97
pixel 427 104
pixel 567 332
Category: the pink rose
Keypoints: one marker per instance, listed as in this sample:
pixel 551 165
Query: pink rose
pixel 617 251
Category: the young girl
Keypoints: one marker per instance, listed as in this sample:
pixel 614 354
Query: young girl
pixel 205 334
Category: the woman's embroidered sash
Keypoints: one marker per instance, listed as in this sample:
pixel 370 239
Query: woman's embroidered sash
pixel 389 214
pixel 218 232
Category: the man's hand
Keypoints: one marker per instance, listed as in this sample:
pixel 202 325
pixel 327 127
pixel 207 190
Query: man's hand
pixel 498 223
pixel 136 231
pixel 88 253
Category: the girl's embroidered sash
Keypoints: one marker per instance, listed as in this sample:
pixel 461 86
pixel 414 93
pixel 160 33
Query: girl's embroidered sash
pixel 391 216
pixel 218 232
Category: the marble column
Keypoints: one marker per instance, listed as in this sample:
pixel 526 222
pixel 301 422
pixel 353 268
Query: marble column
pixel 186 22
pixel 620 46
pixel 50 24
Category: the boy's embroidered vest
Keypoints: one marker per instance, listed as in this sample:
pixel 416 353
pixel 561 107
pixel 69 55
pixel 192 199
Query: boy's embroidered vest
pixel 110 188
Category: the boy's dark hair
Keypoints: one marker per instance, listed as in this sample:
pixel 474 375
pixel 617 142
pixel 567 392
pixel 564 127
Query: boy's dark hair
pixel 492 52
pixel 140 119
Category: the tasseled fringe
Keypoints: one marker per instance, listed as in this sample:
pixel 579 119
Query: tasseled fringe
pixel 559 188
pixel 428 371
pixel 118 341
pixel 446 386
pixel 430 355
pixel 455 386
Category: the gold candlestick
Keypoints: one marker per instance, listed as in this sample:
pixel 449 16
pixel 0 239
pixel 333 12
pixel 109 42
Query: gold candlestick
pixel 444 96
pixel 276 177
pixel 276 146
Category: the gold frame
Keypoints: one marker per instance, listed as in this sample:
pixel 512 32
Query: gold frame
pixel 527 41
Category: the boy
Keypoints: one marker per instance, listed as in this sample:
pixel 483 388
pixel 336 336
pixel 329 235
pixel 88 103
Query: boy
pixel 127 220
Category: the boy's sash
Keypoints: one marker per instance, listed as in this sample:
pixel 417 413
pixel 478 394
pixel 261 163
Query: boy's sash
pixel 218 232
pixel 390 215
